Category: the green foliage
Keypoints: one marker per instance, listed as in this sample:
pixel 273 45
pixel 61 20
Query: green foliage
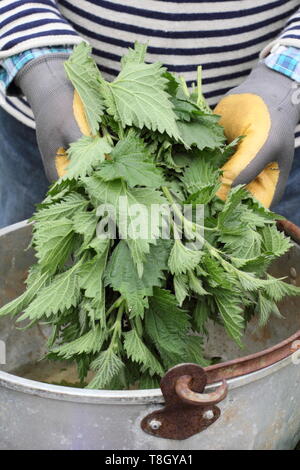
pixel 131 161
pixel 85 155
pixel 128 307
pixel 86 78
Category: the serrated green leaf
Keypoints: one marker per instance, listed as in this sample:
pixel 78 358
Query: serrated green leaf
pixel 200 174
pixel 17 305
pixel 181 288
pixel 201 314
pixel 135 55
pixel 265 307
pixel 194 351
pixel 182 259
pixel 107 366
pixel 131 161
pixel 138 352
pixel 275 242
pixel 218 277
pixel 138 98
pixel 165 323
pixel 122 275
pixel 196 284
pixel 68 205
pixel 91 275
pixel 202 132
pixel 230 312
pixel 132 210
pixel 85 223
pixel 91 342
pixel 53 242
pixel 85 155
pixel 278 289
pixel 85 76
pixel 59 295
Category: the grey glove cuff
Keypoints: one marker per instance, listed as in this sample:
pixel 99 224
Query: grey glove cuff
pixel 41 78
pixel 277 90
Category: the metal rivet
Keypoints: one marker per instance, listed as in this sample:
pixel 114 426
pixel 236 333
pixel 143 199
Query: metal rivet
pixel 155 424
pixel 293 272
pixel 209 414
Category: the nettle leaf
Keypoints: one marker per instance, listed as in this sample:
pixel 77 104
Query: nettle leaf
pixel 202 132
pixel 196 284
pixel 246 244
pixel 181 288
pixel 135 55
pixel 131 209
pixel 138 98
pixel 199 175
pixel 194 351
pixel 17 305
pixel 91 274
pixel 60 294
pixel 85 77
pixel 250 282
pixel 278 289
pixel 265 307
pixel 230 311
pixel 53 242
pixel 274 241
pixel 234 198
pixel 131 161
pixel 165 323
pixel 90 343
pixel 201 314
pixel 203 195
pixel 138 352
pixel 85 155
pixel 122 275
pixel 107 366
pixel 218 276
pixel 68 205
pixel 183 259
pixel 85 223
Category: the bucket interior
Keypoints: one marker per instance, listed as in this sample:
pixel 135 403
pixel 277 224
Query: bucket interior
pixel 24 348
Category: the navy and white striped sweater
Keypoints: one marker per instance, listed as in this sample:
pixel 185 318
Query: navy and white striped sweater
pixel 225 36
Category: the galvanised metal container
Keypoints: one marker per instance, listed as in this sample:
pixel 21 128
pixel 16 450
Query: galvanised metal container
pixel 261 410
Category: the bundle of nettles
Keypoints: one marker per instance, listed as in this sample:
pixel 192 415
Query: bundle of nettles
pixel 129 308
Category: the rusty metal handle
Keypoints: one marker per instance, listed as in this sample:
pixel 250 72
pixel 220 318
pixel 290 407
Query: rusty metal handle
pixel 187 395
pixel 188 410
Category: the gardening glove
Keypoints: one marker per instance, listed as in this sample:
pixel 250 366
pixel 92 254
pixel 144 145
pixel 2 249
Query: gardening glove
pixel 58 112
pixel 261 109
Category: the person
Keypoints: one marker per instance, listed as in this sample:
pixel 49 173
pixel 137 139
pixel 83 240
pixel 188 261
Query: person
pixel 250 52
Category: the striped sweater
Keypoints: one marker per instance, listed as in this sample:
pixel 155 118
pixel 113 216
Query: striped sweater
pixel 225 36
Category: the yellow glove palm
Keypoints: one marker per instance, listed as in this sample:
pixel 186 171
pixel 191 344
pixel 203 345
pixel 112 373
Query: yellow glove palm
pixel 261 110
pixel 247 115
pixel 61 159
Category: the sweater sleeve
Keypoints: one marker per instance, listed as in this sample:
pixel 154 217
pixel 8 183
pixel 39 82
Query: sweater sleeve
pixel 290 36
pixel 33 24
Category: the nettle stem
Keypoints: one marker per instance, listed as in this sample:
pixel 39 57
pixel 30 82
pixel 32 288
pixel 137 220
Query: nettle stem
pixel 115 305
pixel 117 326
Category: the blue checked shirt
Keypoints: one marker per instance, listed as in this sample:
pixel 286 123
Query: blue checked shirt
pixel 285 60
pixel 10 67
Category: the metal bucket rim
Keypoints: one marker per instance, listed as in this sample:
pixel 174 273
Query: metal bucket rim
pixel 119 397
